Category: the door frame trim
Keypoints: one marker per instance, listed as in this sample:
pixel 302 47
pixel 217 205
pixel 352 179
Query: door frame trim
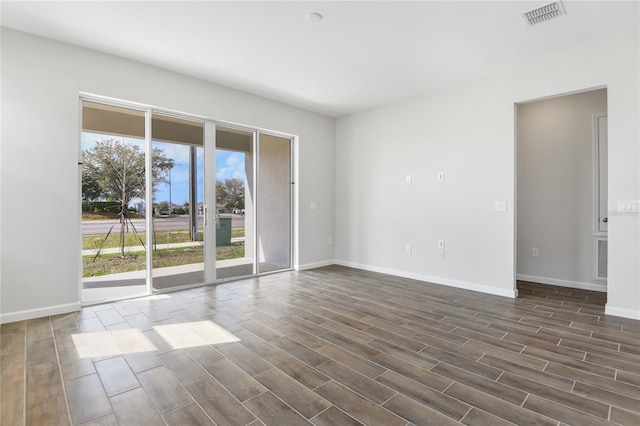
pixel 596 173
pixel 598 235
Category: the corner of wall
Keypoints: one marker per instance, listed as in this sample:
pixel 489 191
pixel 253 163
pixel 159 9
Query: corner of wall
pixel 427 279
pixel 621 312
pixel 39 312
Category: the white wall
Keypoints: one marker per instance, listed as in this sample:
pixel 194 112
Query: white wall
pixel 555 189
pixel 467 132
pixel 41 82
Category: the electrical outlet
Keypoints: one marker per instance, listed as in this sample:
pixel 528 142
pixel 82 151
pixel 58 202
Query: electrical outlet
pixel 330 241
pixel 535 252
pixel 500 206
pixel 407 249
pixel 313 205
pixel 441 253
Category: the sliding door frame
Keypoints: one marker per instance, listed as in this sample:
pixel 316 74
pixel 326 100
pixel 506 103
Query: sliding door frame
pixel 209 202
pixel 254 181
pixel 148 194
pixel 292 202
pixel 148 197
pixel 210 217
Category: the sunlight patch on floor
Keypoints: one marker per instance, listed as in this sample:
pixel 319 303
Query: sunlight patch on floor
pixel 191 334
pixel 177 336
pixel 111 343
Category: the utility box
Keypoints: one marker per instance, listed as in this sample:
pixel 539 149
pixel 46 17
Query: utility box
pixel 223 231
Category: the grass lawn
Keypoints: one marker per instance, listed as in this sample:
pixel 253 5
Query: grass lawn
pixel 107 264
pixel 94 241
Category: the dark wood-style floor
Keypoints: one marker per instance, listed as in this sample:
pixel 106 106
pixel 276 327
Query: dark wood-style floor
pixel 331 346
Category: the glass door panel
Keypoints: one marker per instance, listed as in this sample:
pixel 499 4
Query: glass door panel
pixel 178 179
pixel 274 203
pixel 234 206
pixel 113 202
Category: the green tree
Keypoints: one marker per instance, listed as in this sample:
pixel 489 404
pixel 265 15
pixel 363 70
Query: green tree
pixel 118 168
pixel 230 192
pixel 163 207
pixel 90 188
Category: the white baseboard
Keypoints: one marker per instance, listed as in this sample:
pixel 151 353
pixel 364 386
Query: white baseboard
pixel 562 283
pixel 39 312
pixel 315 265
pixel 435 280
pixel 621 312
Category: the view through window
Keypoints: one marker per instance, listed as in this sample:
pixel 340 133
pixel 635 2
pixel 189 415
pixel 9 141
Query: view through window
pixel 144 213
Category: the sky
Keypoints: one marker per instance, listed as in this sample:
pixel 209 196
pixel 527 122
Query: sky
pixel 229 164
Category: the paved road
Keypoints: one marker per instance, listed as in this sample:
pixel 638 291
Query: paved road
pixel 177 223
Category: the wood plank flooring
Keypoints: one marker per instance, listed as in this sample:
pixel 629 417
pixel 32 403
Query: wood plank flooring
pixel 330 346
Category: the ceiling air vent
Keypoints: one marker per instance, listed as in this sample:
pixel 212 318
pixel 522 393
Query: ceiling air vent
pixel 544 13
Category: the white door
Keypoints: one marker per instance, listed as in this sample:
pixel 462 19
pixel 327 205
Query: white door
pixel 601 212
pixel 602 192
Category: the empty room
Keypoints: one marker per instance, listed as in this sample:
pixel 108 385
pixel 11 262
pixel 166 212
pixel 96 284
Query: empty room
pixel 320 213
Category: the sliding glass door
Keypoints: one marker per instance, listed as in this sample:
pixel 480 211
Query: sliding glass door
pixel 253 202
pixel 235 206
pixel 114 252
pixel 169 201
pixel 274 203
pixel 178 240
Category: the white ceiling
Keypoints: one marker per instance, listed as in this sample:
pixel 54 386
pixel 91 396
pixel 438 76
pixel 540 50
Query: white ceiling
pixel 362 54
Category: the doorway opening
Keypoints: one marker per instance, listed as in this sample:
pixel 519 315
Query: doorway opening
pixel 561 190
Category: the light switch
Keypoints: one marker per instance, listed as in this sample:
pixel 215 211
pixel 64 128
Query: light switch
pixel 441 177
pixel 313 205
pixel 407 179
pixel 629 206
